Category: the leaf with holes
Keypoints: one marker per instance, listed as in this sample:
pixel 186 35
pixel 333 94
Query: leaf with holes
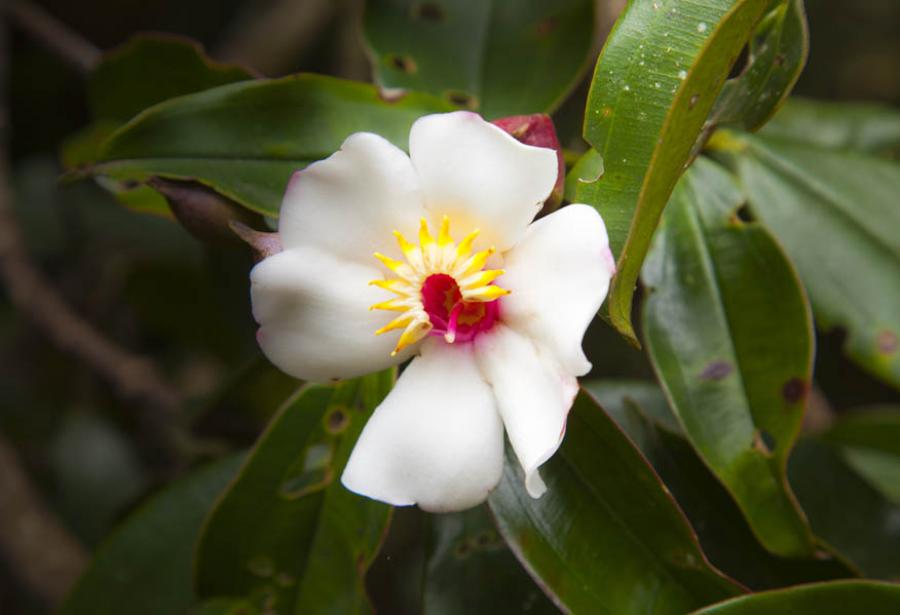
pixel 641 410
pixel 606 537
pixel 655 83
pixel 287 535
pixel 469 569
pixel 835 598
pixel 144 568
pixel 729 334
pixel 846 510
pixel 776 57
pixel 836 214
pixel 246 139
pixel 497 57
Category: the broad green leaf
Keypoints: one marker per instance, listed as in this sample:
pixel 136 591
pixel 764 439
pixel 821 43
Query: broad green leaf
pixel 729 333
pixel 246 139
pixel 655 83
pixel 224 606
pixel 845 510
pixel 869 439
pixel 864 127
pixel 777 54
pixel 606 537
pixel 149 69
pixel 836 213
pixel 287 535
pixel 588 168
pixel 145 566
pixel 642 412
pixel 835 598
pixel 471 570
pixel 498 57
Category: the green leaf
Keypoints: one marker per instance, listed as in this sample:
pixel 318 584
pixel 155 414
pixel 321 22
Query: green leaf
pixel 145 566
pixel 655 83
pixel 499 57
pixel 471 570
pixel 606 537
pixel 588 168
pixel 287 535
pixel 836 214
pixel 246 139
pixel 149 69
pixel 729 334
pixel 836 598
pixel 864 127
pixel 845 510
pixel 777 54
pixel 870 442
pixel 642 412
pixel 225 606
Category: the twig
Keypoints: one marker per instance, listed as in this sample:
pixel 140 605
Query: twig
pixel 47 558
pixel 70 46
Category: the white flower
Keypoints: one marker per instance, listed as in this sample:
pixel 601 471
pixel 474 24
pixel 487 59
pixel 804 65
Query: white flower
pixel 492 306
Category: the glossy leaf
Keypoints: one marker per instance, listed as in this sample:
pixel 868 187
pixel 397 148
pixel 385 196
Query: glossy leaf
pixel 864 127
pixel 845 510
pixel 588 169
pixel 836 598
pixel 655 83
pixel 145 566
pixel 287 535
pixel 499 57
pixel 641 410
pixel 606 537
pixel 149 69
pixel 729 333
pixel 471 570
pixel 246 139
pixel 836 215
pixel 869 439
pixel 777 54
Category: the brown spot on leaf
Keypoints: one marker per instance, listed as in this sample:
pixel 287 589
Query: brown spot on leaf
pixel 546 26
pixel 693 102
pixel 716 370
pixel 461 99
pixel 794 390
pixel 429 11
pixel 462 549
pixel 778 60
pixel 888 342
pixel 337 420
pixel 404 64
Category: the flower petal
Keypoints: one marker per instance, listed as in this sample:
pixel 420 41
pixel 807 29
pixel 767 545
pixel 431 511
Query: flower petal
pixel 314 316
pixel 350 203
pixel 480 176
pixel 436 440
pixel 533 396
pixel 558 276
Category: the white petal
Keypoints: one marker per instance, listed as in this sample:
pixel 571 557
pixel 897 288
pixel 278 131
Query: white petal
pixel 480 176
pixel 533 396
pixel 314 316
pixel 558 276
pixel 349 203
pixel 436 440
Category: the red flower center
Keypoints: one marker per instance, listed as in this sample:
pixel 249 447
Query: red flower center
pixel 456 320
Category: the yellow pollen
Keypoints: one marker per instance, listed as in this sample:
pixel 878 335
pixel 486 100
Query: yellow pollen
pixel 430 257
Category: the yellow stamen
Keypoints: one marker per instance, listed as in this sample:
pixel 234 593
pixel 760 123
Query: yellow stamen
pixel 481 278
pixel 416 330
pixel 484 293
pixel 400 287
pixel 398 323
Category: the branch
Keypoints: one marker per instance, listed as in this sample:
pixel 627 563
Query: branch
pixel 70 46
pixel 45 555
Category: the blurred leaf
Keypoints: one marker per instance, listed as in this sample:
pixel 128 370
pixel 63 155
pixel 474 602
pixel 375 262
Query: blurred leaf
pixel 246 139
pixel 777 54
pixel 869 439
pixel 145 566
pixel 655 83
pixel 500 57
pixel 865 127
pixel 470 570
pixel 726 538
pixel 730 335
pixel 836 215
pixel 96 472
pixel 287 535
pixel 224 606
pixel 606 537
pixel 845 510
pixel 835 598
pixel 151 68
